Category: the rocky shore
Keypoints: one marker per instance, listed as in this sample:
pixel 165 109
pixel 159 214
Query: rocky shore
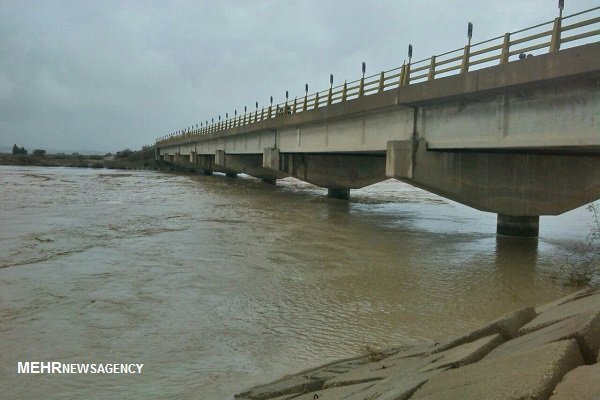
pixel 546 352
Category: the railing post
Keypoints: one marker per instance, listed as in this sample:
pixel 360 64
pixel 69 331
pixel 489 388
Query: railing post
pixel 294 108
pixel 465 61
pixel 269 112
pixel 402 73
pixel 431 74
pixel 305 105
pixel 556 31
pixel 316 101
pixel 381 82
pixel 262 114
pixel 344 91
pixel 361 87
pixel 505 49
pixel 329 97
pixel 406 77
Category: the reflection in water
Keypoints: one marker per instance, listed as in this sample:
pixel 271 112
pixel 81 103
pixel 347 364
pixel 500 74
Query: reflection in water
pixel 217 284
pixel 516 259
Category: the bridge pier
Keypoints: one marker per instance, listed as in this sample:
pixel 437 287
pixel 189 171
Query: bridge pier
pixel 337 172
pixel 269 181
pixel 508 225
pixel 342 194
pixel 206 163
pixel 518 186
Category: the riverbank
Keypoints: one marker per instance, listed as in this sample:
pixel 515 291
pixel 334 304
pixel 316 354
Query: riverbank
pixel 138 160
pixel 547 352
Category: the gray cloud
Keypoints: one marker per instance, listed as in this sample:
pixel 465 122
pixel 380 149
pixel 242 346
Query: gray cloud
pixel 107 75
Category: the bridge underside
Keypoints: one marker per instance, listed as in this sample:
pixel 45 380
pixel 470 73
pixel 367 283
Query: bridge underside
pixel 518 186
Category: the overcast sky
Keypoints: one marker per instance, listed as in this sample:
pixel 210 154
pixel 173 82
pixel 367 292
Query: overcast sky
pixel 106 75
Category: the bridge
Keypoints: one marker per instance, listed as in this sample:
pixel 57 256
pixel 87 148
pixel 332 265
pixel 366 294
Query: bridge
pixel 510 125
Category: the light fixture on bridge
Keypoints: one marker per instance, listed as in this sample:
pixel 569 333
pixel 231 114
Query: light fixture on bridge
pixel 226 115
pixel 219 117
pixel 245 109
pixel 330 80
pixel 470 32
pixel 212 120
pixel 287 95
pixel 257 106
pixel 409 53
pixel 235 112
pixel 306 88
pixel 271 100
pixel 561 5
pixel 364 69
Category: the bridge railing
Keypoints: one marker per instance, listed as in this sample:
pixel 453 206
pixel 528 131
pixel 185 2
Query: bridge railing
pixel 570 31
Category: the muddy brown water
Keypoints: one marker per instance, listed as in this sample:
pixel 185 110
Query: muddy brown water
pixel 218 284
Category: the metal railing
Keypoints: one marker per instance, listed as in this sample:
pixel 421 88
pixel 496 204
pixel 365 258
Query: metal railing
pixel 563 32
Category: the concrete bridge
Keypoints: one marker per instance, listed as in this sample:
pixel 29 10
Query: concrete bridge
pixel 512 128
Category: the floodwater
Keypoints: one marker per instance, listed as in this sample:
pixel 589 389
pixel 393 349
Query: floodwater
pixel 218 284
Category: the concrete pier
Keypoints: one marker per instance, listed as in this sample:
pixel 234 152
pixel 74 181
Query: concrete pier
pixel 509 225
pixel 342 194
pixel 532 353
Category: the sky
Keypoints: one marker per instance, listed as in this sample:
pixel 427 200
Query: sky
pixel 108 75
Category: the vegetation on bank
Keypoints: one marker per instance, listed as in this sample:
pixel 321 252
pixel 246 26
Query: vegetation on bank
pixel 583 265
pixel 126 159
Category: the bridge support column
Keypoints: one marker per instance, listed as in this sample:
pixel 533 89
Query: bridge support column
pixel 270 158
pixel 517 186
pixel 509 225
pixel 206 163
pixel 220 157
pixel 337 172
pixel 342 194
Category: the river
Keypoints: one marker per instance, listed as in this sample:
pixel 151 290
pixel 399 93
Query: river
pixel 218 284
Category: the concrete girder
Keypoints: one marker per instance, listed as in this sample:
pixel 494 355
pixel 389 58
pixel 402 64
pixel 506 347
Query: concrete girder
pixel 250 164
pixel 335 171
pixel 504 182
